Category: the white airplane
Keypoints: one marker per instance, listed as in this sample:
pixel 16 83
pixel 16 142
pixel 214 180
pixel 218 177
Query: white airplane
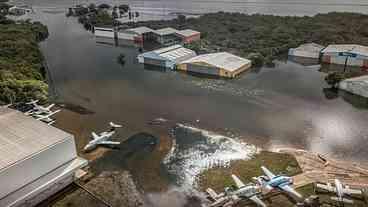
pixel 46 118
pixel 102 138
pixel 222 199
pixel 340 190
pixel 281 182
pixel 249 191
pixel 37 109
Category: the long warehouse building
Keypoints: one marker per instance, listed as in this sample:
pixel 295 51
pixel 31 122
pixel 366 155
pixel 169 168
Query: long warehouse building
pixel 221 64
pixel 352 55
pixel 36 160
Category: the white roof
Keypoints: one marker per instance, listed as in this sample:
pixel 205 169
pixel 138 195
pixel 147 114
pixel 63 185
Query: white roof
pixel 310 47
pixel 358 49
pixel 187 32
pixel 21 137
pixel 223 60
pixel 141 30
pixel 165 49
pixel 178 54
pixel 165 31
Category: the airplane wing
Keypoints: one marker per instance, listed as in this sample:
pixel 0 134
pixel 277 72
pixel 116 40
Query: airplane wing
pixel 54 112
pixel 291 190
pixel 326 187
pixel 109 143
pixel 237 181
pixel 95 136
pixel 267 172
pixel 258 201
pixel 352 191
pixel 49 107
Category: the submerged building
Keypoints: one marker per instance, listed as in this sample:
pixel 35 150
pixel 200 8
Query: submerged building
pixel 357 86
pixel 36 160
pixel 309 50
pixel 105 34
pixel 349 54
pixel 221 64
pixel 135 35
pixel 166 57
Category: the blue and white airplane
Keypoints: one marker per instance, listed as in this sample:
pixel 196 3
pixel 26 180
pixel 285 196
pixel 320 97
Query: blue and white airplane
pixel 281 182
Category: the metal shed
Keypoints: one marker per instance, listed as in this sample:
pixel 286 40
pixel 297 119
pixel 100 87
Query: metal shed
pixel 220 64
pixel 309 50
pixel 36 160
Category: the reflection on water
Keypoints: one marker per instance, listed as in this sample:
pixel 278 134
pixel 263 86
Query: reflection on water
pixel 196 150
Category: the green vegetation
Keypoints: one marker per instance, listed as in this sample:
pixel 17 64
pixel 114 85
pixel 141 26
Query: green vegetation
pixel 21 70
pixel 268 35
pixel 220 178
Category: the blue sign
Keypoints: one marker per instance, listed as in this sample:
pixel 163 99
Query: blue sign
pixel 347 54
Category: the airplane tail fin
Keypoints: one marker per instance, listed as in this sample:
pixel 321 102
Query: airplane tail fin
pixel 113 125
pixel 343 200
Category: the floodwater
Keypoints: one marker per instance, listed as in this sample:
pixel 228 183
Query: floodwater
pixel 288 105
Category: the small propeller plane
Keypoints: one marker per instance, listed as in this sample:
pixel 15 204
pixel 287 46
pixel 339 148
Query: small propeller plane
pixel 222 199
pixel 249 191
pixel 281 182
pixel 46 118
pixel 37 109
pixel 102 138
pixel 340 190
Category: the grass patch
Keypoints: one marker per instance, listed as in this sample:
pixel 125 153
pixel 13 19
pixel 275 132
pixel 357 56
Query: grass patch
pixel 219 178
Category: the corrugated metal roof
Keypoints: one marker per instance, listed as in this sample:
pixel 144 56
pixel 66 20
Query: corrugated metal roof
pixel 22 136
pixel 310 47
pixel 223 60
pixel 353 48
pixel 172 53
pixel 141 30
pixel 187 32
pixel 165 31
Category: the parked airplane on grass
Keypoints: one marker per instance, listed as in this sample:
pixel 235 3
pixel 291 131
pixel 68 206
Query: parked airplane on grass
pixel 37 109
pixel 249 191
pixel 271 181
pixel 102 138
pixel 340 190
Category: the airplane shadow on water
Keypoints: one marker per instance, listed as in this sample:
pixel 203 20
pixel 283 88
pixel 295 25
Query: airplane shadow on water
pixel 136 147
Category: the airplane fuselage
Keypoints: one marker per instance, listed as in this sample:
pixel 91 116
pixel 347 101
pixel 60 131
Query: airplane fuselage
pixel 339 189
pixel 247 191
pixel 279 181
pixel 104 136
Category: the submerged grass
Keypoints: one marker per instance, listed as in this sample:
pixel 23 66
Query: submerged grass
pixel 219 178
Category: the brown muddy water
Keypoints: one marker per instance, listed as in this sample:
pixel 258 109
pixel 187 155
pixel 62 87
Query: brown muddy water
pixel 286 106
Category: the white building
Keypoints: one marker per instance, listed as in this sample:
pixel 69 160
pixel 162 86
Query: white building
pixel 105 34
pixel 352 55
pixel 309 50
pixel 166 57
pixel 358 85
pixel 221 64
pixel 36 160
